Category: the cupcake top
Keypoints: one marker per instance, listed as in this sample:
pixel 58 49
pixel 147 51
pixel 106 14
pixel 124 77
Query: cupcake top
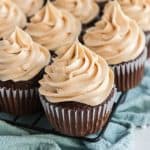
pixel 29 7
pixel 139 10
pixel 10 16
pixel 77 7
pixel 115 37
pixel 20 58
pixel 54 28
pixel 78 75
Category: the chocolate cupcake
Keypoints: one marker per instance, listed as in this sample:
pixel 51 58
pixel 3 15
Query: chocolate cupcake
pixel 139 10
pixel 119 40
pixel 53 28
pixel 77 92
pixel 77 7
pixel 10 16
pixel 21 66
pixel 29 7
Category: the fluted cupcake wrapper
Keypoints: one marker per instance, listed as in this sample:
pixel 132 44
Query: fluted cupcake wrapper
pixel 19 101
pixel 128 75
pixel 148 44
pixel 78 122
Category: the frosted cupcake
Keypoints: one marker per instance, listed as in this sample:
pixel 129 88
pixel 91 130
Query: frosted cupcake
pixel 30 7
pixel 119 40
pixel 53 28
pixel 10 16
pixel 21 66
pixel 85 10
pixel 77 91
pixel 139 10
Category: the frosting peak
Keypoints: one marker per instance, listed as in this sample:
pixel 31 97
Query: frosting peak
pixel 115 37
pixel 76 7
pixel 20 58
pixel 29 7
pixel 49 15
pixel 115 15
pixel 139 10
pixel 54 28
pixel 78 75
pixel 10 16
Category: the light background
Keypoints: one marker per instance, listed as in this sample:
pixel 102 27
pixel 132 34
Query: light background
pixel 142 139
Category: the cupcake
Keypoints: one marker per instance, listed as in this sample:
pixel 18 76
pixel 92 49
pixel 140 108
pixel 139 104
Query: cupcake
pixel 139 10
pixel 30 7
pixel 53 28
pixel 77 92
pixel 119 40
pixel 77 7
pixel 21 66
pixel 10 16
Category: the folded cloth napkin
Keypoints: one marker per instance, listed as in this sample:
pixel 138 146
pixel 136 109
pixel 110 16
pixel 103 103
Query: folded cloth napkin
pixel 119 135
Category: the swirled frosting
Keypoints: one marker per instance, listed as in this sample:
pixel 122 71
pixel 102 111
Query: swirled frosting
pixel 10 16
pixel 76 7
pixel 21 59
pixel 139 10
pixel 79 75
pixel 54 28
pixel 29 7
pixel 115 37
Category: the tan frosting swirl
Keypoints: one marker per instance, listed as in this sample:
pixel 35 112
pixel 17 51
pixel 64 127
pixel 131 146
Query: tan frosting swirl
pixel 116 37
pixel 20 58
pixel 29 7
pixel 76 7
pixel 10 16
pixel 79 75
pixel 54 28
pixel 138 10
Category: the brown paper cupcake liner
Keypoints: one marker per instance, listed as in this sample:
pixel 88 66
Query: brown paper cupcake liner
pixel 76 119
pixel 128 75
pixel 19 101
pixel 147 34
pixel 20 98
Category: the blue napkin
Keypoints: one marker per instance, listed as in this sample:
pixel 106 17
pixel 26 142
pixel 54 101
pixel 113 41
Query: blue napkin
pixel 135 111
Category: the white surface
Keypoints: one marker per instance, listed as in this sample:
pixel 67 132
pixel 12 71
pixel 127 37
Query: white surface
pixel 142 139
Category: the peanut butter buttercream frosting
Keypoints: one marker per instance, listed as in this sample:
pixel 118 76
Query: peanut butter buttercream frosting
pixel 10 16
pixel 116 37
pixel 29 7
pixel 53 27
pixel 84 10
pixel 21 59
pixel 139 10
pixel 78 75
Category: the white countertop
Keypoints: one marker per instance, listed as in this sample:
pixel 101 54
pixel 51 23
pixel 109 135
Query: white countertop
pixel 142 139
